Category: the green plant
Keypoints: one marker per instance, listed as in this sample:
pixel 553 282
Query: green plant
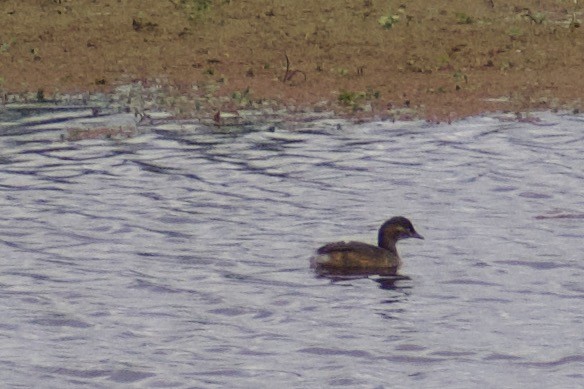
pixel 388 21
pixel 462 18
pixel 196 9
pixel 506 65
pixel 537 18
pixel 355 99
pixel 242 98
pixel 4 47
pixel 198 5
pixel 515 32
pixel 459 79
pixel 201 5
pixel 372 94
pixel 348 97
pixel 443 60
pixel 342 71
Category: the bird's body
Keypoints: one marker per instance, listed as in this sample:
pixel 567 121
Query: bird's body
pixel 363 258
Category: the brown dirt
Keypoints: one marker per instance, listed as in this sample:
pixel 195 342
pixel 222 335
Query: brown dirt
pixel 446 59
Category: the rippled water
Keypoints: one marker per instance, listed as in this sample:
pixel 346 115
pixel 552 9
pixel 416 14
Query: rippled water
pixel 179 258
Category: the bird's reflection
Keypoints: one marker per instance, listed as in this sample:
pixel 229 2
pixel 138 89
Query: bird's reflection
pixel 388 280
pixel 395 282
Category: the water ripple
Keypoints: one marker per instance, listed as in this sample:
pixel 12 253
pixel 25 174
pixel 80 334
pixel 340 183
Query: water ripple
pixel 179 258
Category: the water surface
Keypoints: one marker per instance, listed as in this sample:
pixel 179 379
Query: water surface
pixel 178 258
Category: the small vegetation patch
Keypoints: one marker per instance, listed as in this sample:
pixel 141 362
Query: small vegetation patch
pixel 388 20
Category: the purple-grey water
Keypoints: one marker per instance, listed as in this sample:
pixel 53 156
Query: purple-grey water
pixel 178 258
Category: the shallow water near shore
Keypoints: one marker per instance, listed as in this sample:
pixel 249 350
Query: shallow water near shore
pixel 178 258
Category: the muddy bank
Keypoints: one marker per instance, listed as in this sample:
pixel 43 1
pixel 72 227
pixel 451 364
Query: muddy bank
pixel 444 60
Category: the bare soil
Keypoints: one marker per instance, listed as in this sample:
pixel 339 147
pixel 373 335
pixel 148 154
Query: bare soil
pixel 444 59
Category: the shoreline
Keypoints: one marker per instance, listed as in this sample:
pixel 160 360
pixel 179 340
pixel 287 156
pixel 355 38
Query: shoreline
pixel 154 103
pixel 132 110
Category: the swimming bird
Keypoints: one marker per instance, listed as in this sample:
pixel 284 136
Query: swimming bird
pixel 357 258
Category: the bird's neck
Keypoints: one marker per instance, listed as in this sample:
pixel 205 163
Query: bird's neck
pixel 388 243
